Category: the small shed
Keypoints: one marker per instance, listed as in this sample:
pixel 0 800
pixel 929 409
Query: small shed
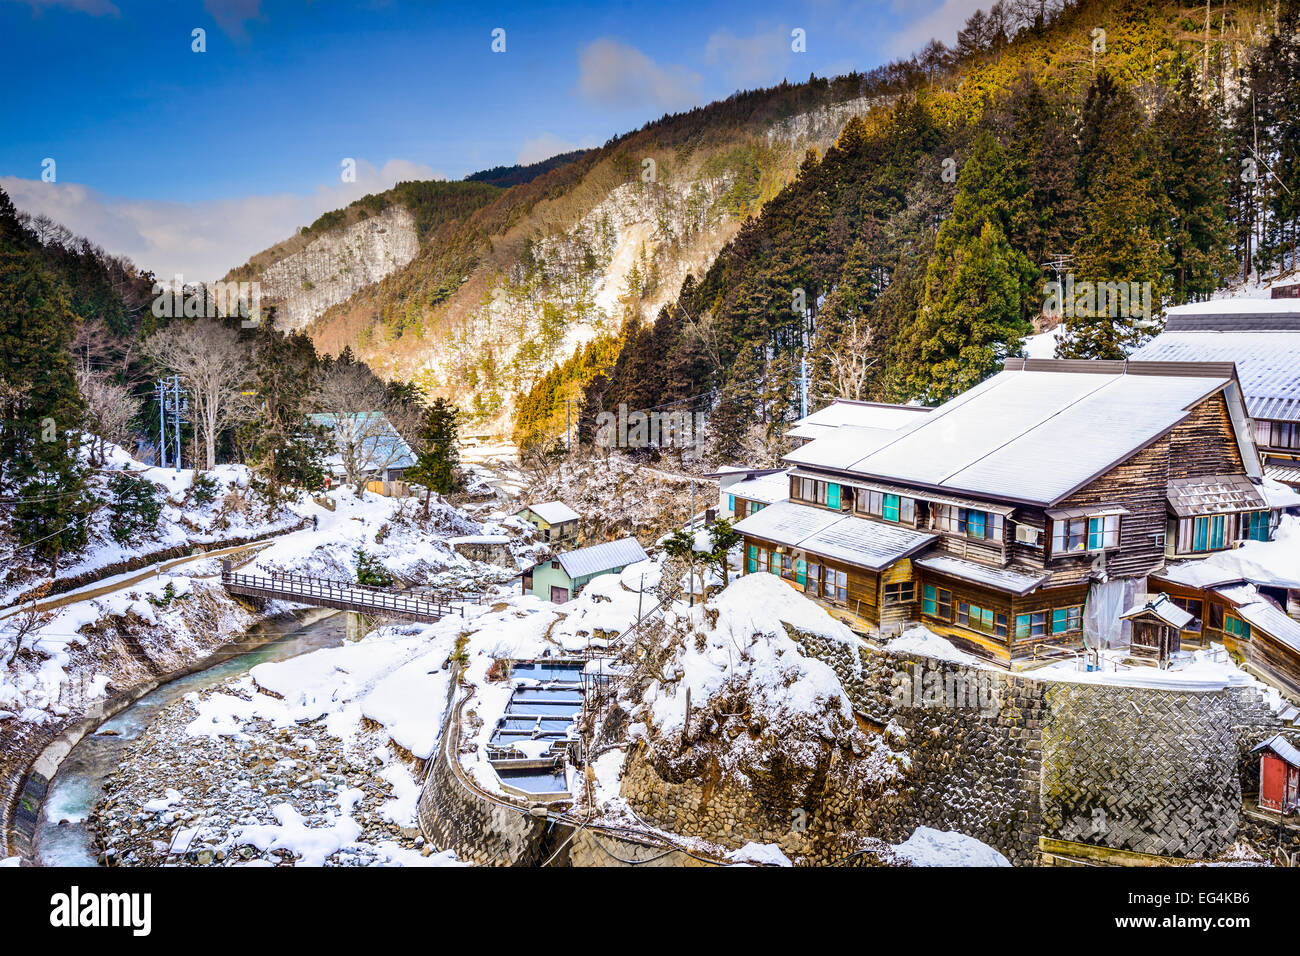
pixel 1279 775
pixel 563 576
pixel 554 519
pixel 1157 626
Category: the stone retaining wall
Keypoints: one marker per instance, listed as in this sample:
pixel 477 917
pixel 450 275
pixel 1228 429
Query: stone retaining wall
pixel 1007 758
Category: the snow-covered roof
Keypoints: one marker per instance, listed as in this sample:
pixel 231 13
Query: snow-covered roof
pixel 1232 308
pixel 1274 563
pixel 843 411
pixel 1163 608
pixel 1268 362
pixel 1002 579
pixel 858 541
pixel 766 488
pixel 1035 432
pixel 552 512
pixel 1282 747
pixel 596 558
pixel 1266 616
pixel 1280 469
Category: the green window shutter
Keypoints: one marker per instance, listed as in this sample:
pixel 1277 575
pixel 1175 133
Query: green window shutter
pixel 731 503
pixel 1022 625
pixel 927 600
pixel 774 564
pixel 801 571
pixel 891 508
pixel 1094 534
pixel 751 559
pixel 832 495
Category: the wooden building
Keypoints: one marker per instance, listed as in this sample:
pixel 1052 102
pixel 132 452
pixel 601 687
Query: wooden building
pixel 1156 628
pixel 560 578
pixel 1279 775
pixel 556 521
pixel 1023 514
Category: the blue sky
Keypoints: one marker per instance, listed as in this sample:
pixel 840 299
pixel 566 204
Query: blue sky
pixel 192 161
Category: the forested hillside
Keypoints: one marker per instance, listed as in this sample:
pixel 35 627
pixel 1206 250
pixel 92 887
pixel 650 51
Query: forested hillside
pixel 1118 141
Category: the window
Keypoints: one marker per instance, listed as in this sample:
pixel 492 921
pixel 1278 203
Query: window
pixel 895 508
pixel 968 521
pixel 814 586
pixel 1216 616
pixel 816 492
pixel 1235 625
pixel 555 565
pixel 936 602
pixel 774 563
pixel 751 558
pixel 1208 532
pixel 1033 624
pixel 833 496
pixel 1077 535
pixel 1284 435
pixel 836 585
pixel 1192 607
pixel 1103 532
pixel 787 566
pixel 977 618
pixel 1067 619
pixel 901 592
pixel 1253 526
pixel 761 564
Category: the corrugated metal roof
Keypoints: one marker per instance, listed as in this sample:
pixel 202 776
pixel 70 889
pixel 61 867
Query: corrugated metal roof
pixel 1216 494
pixel 1001 579
pixel 1268 364
pixel 597 558
pixel 552 512
pixel 1282 747
pixel 1280 469
pixel 1031 436
pixel 767 488
pixel 869 544
pixel 1266 616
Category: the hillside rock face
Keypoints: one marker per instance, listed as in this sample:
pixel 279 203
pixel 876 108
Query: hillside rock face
pixel 337 264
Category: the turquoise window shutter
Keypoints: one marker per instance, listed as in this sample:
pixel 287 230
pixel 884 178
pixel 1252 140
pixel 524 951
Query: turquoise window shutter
pixel 832 495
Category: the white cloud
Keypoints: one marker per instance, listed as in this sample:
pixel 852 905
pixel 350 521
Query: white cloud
pixel 752 61
pixel 613 73
pixel 941 23
pixel 201 240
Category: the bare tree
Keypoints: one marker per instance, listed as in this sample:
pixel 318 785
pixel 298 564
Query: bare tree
pixel 213 366
pixel 359 405
pixel 851 362
pixel 109 410
pixel 23 624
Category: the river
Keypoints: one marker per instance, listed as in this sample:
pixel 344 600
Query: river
pixel 62 838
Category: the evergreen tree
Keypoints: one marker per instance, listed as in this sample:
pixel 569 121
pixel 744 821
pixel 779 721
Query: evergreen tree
pixel 1122 249
pixel 40 404
pixel 1194 177
pixel 134 506
pixel 438 458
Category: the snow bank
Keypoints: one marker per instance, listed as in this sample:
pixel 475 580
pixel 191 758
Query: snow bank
pixel 928 847
pixel 923 641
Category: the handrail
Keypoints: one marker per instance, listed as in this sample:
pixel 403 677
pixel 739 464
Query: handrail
pixel 360 595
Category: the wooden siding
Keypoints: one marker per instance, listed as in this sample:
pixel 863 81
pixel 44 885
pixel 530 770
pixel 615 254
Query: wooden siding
pixel 863 589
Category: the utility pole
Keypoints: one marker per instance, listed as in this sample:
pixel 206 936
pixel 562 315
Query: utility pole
pixel 161 388
pixel 691 524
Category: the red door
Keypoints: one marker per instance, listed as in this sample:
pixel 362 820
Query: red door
pixel 559 595
pixel 1272 781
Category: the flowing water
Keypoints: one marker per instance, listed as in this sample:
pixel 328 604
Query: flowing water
pixel 63 838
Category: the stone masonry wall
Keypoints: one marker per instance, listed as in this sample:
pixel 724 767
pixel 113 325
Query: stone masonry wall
pixel 1008 758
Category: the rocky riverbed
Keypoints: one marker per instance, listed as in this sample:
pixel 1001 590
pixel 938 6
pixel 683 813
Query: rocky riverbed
pixel 263 795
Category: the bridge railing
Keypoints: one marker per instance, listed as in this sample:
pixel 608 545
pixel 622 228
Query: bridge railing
pixel 360 596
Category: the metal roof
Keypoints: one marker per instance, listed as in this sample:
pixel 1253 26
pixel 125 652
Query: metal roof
pixel 1215 494
pixel 1163 608
pixel 830 534
pixel 1001 579
pixel 1033 435
pixel 1268 361
pixel 1282 747
pixel 1283 470
pixel 552 512
pixel 844 411
pixel 597 558
pixel 766 488
pixel 1266 616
